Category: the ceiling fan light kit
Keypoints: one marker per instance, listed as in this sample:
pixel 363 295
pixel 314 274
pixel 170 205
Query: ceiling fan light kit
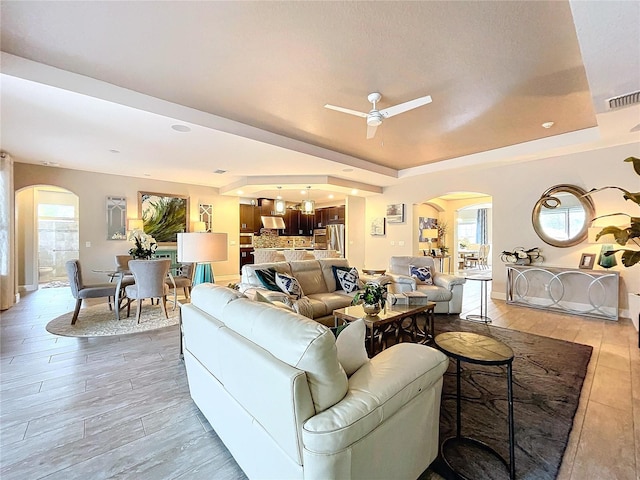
pixel 375 117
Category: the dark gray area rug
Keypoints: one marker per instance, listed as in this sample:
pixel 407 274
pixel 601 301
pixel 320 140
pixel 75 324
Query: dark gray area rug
pixel 547 380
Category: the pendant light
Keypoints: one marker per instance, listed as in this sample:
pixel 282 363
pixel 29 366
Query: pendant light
pixel 308 206
pixel 279 205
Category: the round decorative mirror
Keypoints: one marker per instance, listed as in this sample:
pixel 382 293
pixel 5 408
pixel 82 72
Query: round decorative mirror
pixel 562 215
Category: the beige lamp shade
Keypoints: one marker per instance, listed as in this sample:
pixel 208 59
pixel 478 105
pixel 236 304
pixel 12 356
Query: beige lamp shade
pixel 135 224
pixel 202 247
pixel 430 233
pixel 199 227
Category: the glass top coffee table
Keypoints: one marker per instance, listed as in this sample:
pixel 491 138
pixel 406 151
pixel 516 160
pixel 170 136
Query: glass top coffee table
pixel 397 320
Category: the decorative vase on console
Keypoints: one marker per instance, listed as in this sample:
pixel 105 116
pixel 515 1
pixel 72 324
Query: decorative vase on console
pixel 144 245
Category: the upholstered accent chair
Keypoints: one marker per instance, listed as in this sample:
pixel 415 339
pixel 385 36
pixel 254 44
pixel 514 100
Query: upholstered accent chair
pixel 80 290
pixel 150 283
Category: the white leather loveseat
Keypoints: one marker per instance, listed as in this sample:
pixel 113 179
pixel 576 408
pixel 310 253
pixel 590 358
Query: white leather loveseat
pixel 270 384
pixel 446 290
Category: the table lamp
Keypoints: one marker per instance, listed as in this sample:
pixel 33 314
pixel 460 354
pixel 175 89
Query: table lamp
pixel 430 234
pixel 135 224
pixel 202 249
pixel 605 261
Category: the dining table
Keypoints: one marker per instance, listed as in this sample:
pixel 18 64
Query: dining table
pixel 118 274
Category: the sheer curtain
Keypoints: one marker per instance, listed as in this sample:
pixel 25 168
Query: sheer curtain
pixel 7 265
pixel 482 235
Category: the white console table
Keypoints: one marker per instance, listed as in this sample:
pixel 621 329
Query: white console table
pixel 592 293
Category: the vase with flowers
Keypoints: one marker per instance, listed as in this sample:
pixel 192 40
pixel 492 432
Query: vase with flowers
pixel 144 245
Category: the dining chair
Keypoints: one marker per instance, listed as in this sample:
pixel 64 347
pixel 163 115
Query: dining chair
pixel 81 291
pixel 182 279
pixel 483 256
pixel 149 283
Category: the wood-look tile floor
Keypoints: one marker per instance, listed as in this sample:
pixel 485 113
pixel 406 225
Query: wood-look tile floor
pixel 120 407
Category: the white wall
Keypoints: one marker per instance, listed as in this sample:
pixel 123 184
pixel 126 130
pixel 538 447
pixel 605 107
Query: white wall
pixel 514 190
pixel 92 190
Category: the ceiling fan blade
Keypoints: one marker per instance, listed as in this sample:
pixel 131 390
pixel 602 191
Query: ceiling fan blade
pixel 371 132
pixel 346 110
pixel 403 107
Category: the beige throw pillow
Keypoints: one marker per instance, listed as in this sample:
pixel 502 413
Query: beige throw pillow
pixel 352 353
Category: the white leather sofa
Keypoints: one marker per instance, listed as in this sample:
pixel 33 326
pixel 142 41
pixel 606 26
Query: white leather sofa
pixel 270 384
pixel 446 290
pixel 316 279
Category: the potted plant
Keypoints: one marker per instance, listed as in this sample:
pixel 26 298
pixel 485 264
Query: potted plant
pixel 625 235
pixel 373 298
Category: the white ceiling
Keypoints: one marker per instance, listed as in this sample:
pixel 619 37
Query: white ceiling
pixel 81 79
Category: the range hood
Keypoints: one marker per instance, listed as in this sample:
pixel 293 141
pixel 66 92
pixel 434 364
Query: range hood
pixel 273 223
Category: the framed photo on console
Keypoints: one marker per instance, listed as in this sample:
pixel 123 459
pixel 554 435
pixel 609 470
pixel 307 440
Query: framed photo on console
pixel 587 260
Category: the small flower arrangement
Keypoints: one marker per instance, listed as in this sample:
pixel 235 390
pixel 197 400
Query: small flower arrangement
pixel 372 294
pixel 144 245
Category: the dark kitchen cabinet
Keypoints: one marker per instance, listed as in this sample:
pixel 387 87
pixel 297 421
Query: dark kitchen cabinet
pixel 306 224
pixel 320 218
pixel 247 218
pixel 267 207
pixel 246 256
pixel 291 222
pixel 335 215
pixel 250 221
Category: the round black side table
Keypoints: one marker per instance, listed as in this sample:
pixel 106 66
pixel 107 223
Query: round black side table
pixel 482 350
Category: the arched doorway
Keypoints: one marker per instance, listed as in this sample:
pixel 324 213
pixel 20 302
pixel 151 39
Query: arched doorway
pixel 47 235
pixel 457 216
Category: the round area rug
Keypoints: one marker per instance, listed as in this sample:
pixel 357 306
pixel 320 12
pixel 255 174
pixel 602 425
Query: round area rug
pixel 99 321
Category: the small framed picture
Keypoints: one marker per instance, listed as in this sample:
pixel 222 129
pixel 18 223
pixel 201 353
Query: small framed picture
pixel 378 227
pixel 587 260
pixel 395 213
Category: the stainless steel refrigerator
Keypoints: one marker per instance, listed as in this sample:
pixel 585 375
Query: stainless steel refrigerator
pixel 335 238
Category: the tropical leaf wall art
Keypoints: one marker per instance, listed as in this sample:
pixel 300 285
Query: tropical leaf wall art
pixel 164 215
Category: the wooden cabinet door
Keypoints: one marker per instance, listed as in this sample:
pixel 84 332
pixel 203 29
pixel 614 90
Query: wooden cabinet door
pixel 247 218
pixel 306 224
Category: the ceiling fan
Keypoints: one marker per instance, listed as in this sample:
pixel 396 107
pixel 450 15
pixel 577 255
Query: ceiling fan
pixel 375 116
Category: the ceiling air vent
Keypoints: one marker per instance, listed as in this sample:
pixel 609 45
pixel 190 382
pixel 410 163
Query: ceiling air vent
pixel 624 100
pixel 219 172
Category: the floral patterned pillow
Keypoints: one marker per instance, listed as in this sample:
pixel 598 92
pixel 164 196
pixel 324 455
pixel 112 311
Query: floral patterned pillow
pixel 289 285
pixel 421 274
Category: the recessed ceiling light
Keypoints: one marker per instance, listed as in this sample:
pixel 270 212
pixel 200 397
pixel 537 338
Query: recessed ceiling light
pixel 547 125
pixel 331 195
pixel 239 192
pixel 219 172
pixel 303 192
pixel 113 150
pixel 51 164
pixel 147 174
pixel 181 128
pixel 354 192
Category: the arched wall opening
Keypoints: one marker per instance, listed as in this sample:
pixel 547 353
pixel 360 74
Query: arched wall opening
pixel 47 235
pixel 457 219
